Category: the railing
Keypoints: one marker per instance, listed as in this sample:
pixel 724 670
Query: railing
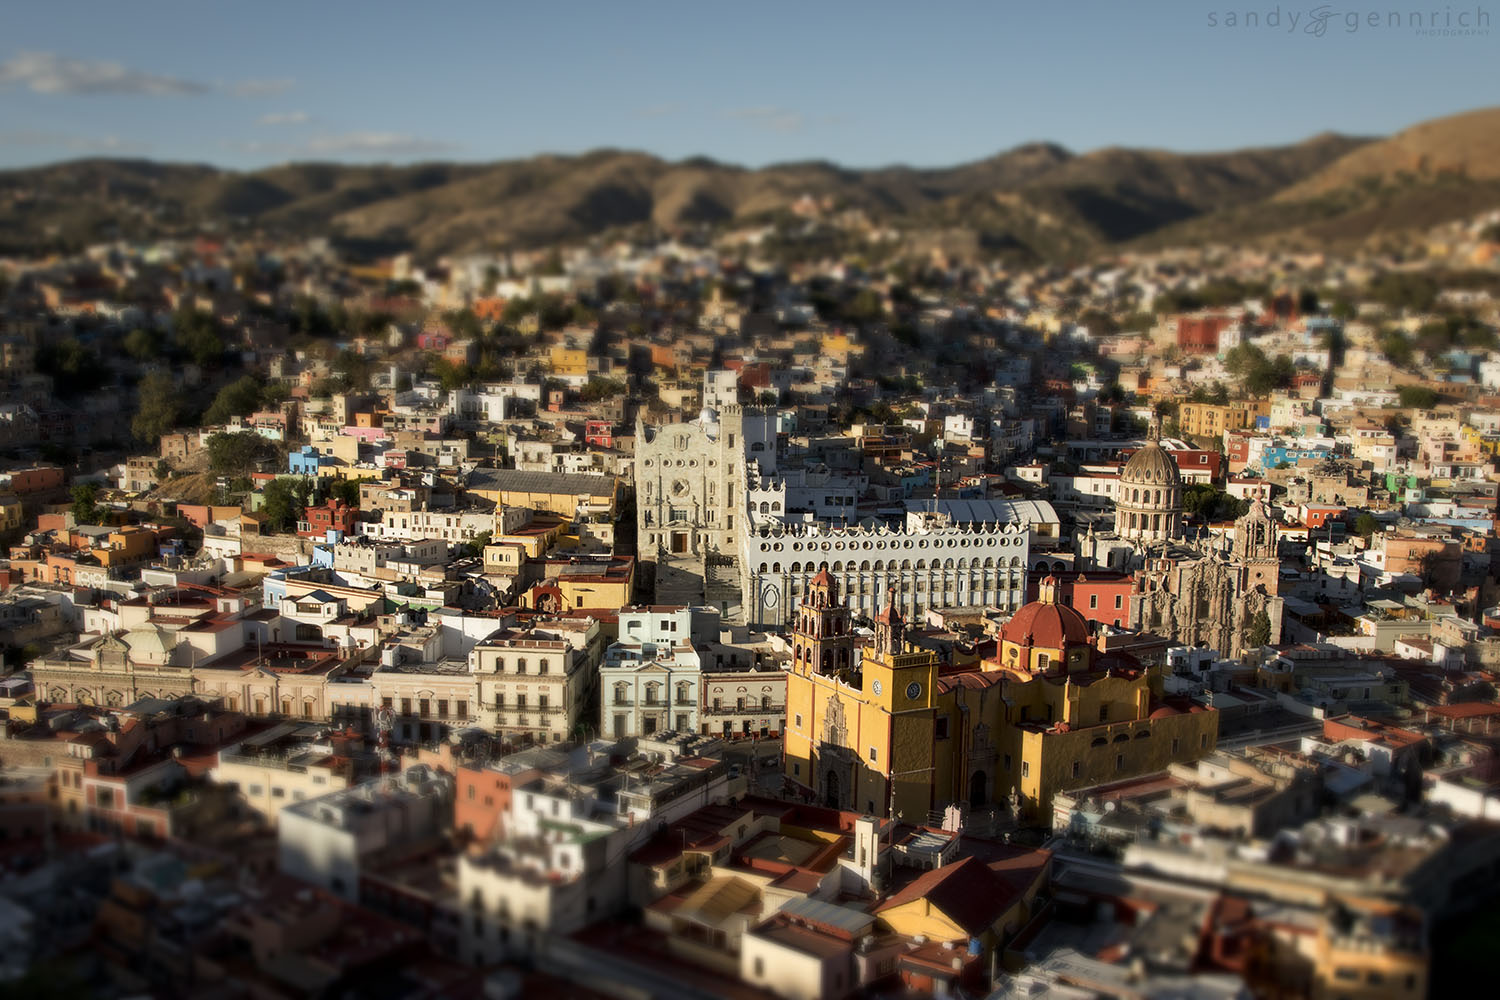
pixel 264 760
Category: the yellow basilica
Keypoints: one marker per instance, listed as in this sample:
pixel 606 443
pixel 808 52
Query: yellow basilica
pixel 894 732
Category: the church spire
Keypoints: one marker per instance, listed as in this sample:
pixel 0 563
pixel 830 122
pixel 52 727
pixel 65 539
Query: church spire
pixel 890 629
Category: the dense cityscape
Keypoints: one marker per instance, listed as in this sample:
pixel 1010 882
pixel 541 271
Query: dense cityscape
pixel 1061 575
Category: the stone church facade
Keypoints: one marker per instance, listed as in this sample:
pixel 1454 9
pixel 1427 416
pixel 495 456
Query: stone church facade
pixel 1201 594
pixel 690 503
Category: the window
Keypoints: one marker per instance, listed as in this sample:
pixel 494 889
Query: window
pixel 1346 973
pixel 1093 601
pixel 1025 768
pixel 1103 713
pixel 499 700
pixel 544 666
pixel 1077 768
pixel 1007 762
pixel 521 665
pixel 542 700
pixel 1119 762
pixel 424 707
pixel 442 708
pixel 1175 743
pixel 521 702
pixel 1119 601
pixel 872 755
pixel 405 706
pixel 463 709
pixel 797 720
pixel 1203 741
pixel 940 728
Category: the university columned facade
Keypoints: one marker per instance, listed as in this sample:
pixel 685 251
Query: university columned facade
pixel 890 731
pixel 930 562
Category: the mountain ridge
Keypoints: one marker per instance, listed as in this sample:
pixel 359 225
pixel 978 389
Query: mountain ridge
pixel 1037 200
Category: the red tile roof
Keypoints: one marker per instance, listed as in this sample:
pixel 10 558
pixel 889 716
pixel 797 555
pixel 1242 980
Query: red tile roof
pixel 966 892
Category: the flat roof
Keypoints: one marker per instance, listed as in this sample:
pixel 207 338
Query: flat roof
pixel 517 481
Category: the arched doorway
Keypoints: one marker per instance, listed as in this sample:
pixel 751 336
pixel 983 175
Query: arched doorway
pixel 831 790
pixel 978 790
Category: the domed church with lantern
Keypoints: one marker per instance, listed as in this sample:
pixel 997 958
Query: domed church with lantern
pixel 1199 591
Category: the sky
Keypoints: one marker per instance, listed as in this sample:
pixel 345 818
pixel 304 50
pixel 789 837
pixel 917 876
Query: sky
pixel 869 84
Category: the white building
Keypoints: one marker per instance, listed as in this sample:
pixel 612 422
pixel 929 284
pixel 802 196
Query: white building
pixel 930 561
pixel 651 680
pixel 796 494
pixel 328 840
pixel 535 682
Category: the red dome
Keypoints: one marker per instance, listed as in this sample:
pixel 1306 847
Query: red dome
pixel 1051 626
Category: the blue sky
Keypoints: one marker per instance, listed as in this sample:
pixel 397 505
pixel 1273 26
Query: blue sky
pixel 247 84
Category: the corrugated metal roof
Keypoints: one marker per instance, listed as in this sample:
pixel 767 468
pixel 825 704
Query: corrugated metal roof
pixel 845 918
pixel 1026 512
pixel 717 899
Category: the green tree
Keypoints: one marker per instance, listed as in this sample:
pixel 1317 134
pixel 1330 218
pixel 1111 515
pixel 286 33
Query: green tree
pixel 198 335
pixel 474 547
pixel 1397 348
pixel 354 369
pixel 282 507
pixel 1098 323
pixel 75 368
pixel 86 504
pixel 463 323
pixel 452 374
pixel 158 411
pixel 310 318
pixel 344 491
pixel 601 388
pixel 1259 633
pixel 239 454
pixel 237 399
pixel 144 344
pixel 1418 397
pixel 1404 290
pixel 163 471
pixel 1365 525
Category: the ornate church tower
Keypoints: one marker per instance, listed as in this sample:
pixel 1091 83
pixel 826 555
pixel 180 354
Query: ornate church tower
pixel 822 642
pixel 1254 549
pixel 890 629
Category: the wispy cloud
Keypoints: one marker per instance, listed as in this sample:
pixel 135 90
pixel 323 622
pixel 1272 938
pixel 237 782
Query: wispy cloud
pixel 59 75
pixel 381 143
pixel 261 88
pixel 375 144
pixel 43 139
pixel 770 118
pixel 50 73
pixel 284 118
